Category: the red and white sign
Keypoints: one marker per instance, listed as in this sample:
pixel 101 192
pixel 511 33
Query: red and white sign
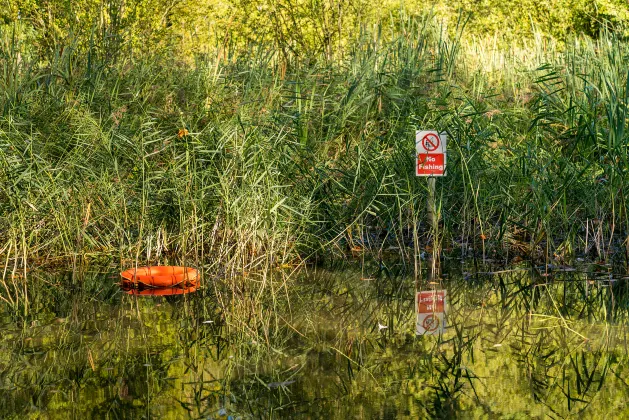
pixel 431 164
pixel 431 153
pixel 430 307
pixel 431 142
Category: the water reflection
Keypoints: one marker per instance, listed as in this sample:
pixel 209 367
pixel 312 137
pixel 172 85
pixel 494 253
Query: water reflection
pixel 139 289
pixel 518 343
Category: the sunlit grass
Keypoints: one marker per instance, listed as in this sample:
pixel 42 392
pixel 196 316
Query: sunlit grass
pixel 263 160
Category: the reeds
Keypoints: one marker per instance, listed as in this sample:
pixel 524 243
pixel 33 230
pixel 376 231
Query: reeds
pixel 263 160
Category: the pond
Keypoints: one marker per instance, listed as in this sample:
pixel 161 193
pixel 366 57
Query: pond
pixel 522 342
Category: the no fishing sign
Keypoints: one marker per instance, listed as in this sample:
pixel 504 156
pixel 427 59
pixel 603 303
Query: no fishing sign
pixel 431 153
pixel 430 307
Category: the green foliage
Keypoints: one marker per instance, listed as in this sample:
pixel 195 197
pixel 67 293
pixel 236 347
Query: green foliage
pixel 294 27
pixel 277 140
pixel 519 19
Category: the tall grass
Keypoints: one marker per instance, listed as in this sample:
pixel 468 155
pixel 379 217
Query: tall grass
pixel 258 159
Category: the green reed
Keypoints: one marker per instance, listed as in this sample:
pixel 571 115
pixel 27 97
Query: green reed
pixel 254 159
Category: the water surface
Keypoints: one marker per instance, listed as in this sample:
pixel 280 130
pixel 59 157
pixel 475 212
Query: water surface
pixel 520 343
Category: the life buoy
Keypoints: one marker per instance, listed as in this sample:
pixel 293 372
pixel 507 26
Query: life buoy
pixel 161 276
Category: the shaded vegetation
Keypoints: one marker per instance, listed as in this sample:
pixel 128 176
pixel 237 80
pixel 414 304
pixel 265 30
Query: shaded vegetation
pixel 259 157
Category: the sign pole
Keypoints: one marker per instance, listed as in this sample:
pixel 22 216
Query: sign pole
pixel 434 223
pixel 432 205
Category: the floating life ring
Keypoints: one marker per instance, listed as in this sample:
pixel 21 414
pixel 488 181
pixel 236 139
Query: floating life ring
pixel 162 276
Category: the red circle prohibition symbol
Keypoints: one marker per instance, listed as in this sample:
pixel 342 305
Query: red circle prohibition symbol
pixel 430 323
pixel 431 142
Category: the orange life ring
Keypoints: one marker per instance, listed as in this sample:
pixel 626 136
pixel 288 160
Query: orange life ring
pixel 161 276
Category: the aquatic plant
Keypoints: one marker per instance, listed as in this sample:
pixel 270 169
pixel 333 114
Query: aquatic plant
pixel 262 159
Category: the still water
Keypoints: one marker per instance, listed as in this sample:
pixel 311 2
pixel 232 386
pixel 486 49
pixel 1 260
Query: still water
pixel 521 343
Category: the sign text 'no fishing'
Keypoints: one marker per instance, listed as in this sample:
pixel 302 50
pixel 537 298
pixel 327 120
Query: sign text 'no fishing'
pixel 431 153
